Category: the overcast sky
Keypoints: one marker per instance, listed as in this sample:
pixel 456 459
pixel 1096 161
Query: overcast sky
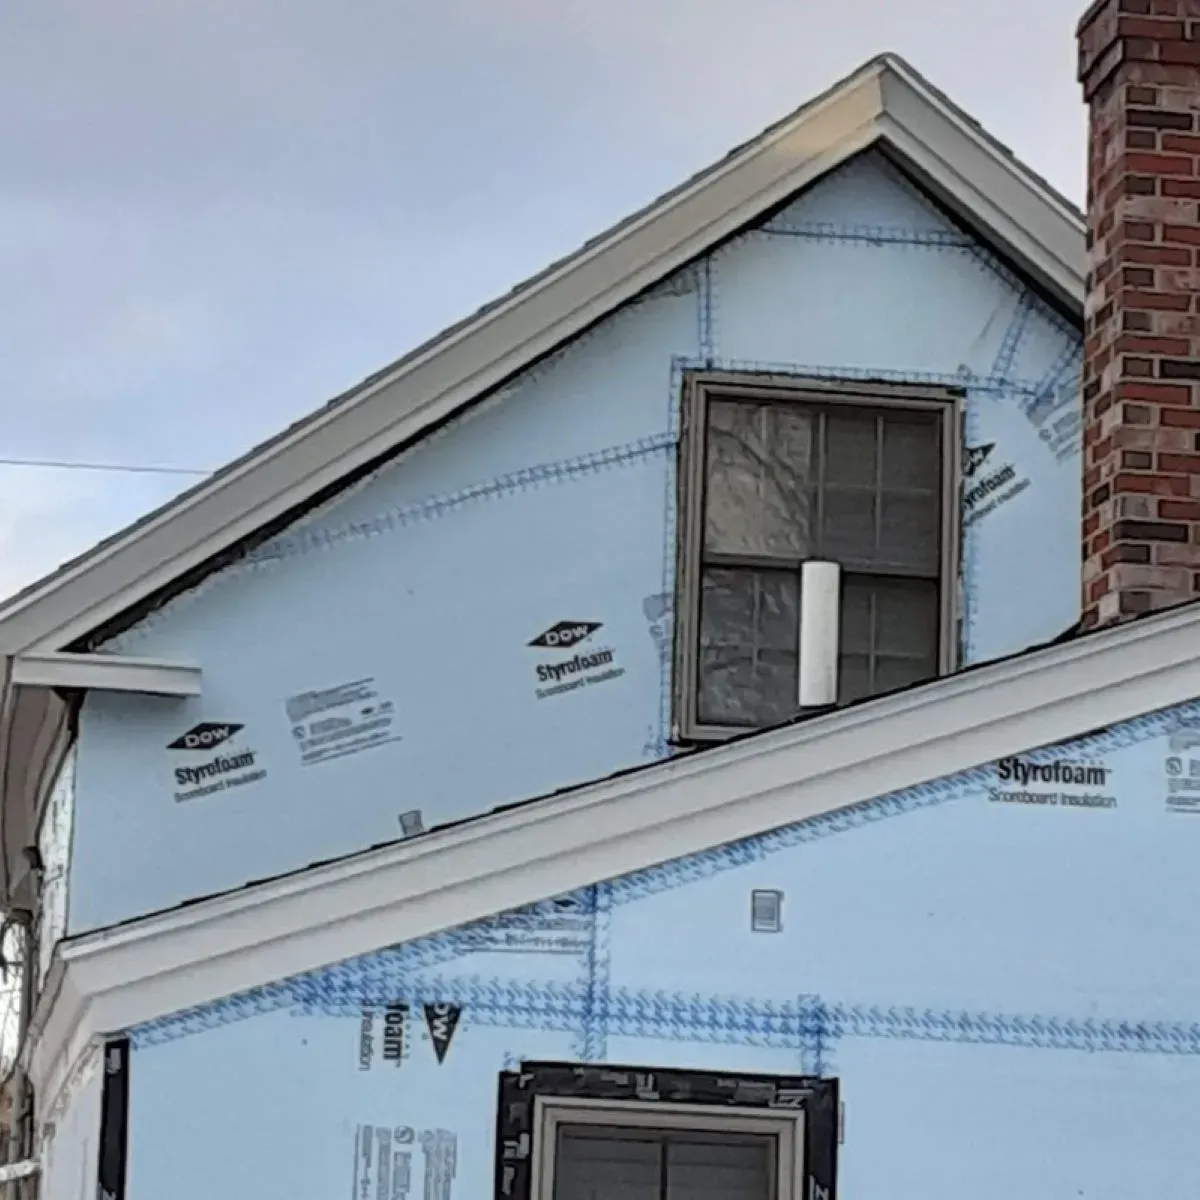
pixel 216 214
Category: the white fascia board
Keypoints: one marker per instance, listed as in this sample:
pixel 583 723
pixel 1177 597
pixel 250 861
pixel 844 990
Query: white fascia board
pixel 450 374
pixel 126 975
pixel 105 673
pixel 1025 219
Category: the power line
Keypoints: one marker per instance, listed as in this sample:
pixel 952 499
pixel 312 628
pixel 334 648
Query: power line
pixel 52 464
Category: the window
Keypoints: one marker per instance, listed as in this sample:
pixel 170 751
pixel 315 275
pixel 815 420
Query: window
pixel 774 471
pixel 575 1132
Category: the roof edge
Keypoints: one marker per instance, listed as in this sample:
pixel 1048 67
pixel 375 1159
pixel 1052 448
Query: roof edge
pixel 978 178
pixel 884 99
pixel 124 976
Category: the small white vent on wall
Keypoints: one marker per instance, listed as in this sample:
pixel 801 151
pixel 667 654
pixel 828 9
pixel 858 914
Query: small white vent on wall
pixel 766 911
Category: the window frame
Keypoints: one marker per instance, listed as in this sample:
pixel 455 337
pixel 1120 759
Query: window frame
pixel 699 387
pixel 802 1114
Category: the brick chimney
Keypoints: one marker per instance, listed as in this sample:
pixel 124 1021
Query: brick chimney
pixel 1139 63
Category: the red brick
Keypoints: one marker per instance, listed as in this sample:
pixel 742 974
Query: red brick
pixel 1152 485
pixel 1129 343
pixel 1188 464
pixel 1183 143
pixel 1156 300
pixel 1150 27
pixel 1155 393
pixel 1179 510
pixel 1180 187
pixel 1141 163
pixel 1187 418
pixel 1179 52
pixel 1139 231
pixel 1189 234
pixel 1173 256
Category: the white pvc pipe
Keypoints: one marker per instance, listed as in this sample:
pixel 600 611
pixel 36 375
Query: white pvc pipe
pixel 820 618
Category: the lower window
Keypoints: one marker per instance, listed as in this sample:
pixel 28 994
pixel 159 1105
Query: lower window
pixel 582 1132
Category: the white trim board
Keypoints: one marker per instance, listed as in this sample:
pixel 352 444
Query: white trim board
pixel 116 978
pixel 884 103
pixel 105 673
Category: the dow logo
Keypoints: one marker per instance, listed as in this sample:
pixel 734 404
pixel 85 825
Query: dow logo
pixel 205 736
pixel 975 457
pixel 442 1020
pixel 565 634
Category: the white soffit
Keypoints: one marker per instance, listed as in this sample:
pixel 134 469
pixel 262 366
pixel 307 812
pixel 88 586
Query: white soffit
pixel 884 101
pixel 126 975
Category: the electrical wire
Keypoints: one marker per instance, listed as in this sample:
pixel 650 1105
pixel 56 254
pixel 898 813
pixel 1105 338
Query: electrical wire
pixel 53 464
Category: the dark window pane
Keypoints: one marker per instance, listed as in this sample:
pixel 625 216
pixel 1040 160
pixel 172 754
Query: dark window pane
pixel 889 635
pixel 760 476
pixel 909 531
pixel 718 1169
pixel 857 595
pixel 592 1166
pixel 851 445
pixel 906 619
pixel 894 673
pixel 911 452
pixel 748 646
pixel 854 678
pixel 848 524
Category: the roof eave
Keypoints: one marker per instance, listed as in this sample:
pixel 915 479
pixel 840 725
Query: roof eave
pixel 149 968
pixel 1019 213
pixel 884 100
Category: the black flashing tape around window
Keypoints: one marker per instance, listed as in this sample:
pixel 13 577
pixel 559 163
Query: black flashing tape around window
pixel 114 1120
pixel 817 1098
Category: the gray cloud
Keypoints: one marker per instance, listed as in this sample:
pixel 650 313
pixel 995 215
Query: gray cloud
pixel 214 216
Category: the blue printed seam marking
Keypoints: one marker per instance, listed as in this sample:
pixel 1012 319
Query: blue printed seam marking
pixel 438 506
pixel 829 232
pixel 591 1042
pixel 809 1023
pixel 1068 360
pixel 1010 343
pixel 706 334
pixel 399 961
pixel 309 540
pixel 880 236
